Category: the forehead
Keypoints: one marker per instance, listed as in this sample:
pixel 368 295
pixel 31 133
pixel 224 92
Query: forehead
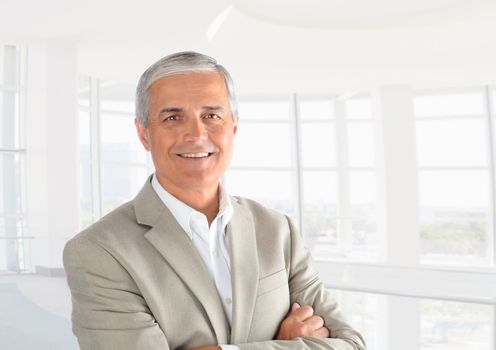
pixel 188 87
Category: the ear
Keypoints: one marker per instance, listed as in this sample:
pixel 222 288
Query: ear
pixel 142 133
pixel 235 120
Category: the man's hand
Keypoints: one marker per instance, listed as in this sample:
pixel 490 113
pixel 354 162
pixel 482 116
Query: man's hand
pixel 301 322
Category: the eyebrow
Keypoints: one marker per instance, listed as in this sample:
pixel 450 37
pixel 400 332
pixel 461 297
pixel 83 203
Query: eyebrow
pixel 178 110
pixel 170 110
pixel 213 108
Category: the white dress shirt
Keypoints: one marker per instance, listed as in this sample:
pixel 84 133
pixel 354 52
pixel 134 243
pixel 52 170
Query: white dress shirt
pixel 211 242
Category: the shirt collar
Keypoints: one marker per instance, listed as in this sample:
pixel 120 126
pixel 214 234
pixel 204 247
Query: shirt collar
pixel 183 213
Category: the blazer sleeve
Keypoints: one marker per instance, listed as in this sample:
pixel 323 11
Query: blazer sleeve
pixel 109 312
pixel 306 288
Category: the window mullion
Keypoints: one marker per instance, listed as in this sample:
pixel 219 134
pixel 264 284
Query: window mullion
pixel 295 117
pixel 95 142
pixel 491 247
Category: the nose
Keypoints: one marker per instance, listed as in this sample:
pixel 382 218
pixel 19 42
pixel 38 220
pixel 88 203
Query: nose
pixel 196 130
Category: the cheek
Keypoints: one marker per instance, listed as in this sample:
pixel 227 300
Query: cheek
pixel 160 144
pixel 228 147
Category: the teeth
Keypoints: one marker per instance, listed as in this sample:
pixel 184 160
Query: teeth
pixel 194 155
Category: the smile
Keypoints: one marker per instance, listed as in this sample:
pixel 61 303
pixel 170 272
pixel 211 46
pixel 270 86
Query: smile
pixel 195 155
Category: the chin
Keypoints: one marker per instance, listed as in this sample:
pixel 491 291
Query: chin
pixel 196 183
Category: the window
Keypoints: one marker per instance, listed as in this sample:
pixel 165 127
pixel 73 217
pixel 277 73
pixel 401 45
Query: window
pixel 447 325
pixel 263 166
pixel 316 123
pixel 455 186
pixel 357 184
pixel 444 325
pixel 313 159
pixel 363 311
pixel 13 239
pixel 113 163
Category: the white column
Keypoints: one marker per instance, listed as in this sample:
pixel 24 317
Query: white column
pixel 51 148
pixel 344 224
pixel 397 173
pixel 403 320
pixel 398 203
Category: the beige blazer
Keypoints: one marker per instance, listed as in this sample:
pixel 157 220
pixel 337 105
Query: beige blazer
pixel 137 282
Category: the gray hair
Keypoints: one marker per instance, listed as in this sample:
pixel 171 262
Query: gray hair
pixel 179 63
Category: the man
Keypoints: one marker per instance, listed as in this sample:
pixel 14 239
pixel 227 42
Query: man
pixel 184 265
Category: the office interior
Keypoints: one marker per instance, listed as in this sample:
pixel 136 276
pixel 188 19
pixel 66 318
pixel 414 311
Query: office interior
pixel 371 123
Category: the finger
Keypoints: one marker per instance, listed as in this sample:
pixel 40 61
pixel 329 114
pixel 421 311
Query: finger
pixel 322 332
pixel 295 307
pixel 314 322
pixel 303 312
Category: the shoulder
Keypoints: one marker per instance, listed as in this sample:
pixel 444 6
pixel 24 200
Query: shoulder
pixel 270 225
pixel 259 211
pixel 112 232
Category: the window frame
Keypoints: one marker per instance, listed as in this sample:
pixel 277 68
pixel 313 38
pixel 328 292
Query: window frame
pixel 491 159
pixel 22 239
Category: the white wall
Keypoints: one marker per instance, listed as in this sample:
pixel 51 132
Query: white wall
pixel 51 149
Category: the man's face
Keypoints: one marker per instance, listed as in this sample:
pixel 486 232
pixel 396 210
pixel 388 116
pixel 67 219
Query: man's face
pixel 190 130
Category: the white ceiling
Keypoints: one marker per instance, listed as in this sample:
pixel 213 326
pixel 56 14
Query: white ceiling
pixel 277 45
pixel 354 14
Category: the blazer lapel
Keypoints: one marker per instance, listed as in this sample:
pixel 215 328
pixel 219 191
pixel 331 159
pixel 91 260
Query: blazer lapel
pixel 244 271
pixel 167 236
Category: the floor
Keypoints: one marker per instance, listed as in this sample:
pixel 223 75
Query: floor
pixel 35 313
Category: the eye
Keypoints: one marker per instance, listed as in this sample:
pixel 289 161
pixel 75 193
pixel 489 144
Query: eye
pixel 171 117
pixel 212 116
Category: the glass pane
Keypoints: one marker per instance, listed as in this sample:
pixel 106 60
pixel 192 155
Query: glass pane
pixel 120 184
pixel 273 189
pixel 362 311
pixel 320 210
pixel 10 69
pixel 10 184
pixel 10 210
pixel 358 108
pixel 447 325
pixel 454 207
pixel 262 144
pixel 449 104
pixel 365 241
pixel 84 91
pixel 316 109
pixel 318 144
pixel 84 135
pixel 117 97
pixel 14 251
pixel 264 110
pixel 85 195
pixel 120 140
pixel 9 119
pixel 361 144
pixel 452 142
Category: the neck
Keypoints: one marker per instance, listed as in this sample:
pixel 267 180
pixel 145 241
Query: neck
pixel 205 199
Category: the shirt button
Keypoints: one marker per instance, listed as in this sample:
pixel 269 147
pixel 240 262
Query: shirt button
pixel 215 253
pixel 228 301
